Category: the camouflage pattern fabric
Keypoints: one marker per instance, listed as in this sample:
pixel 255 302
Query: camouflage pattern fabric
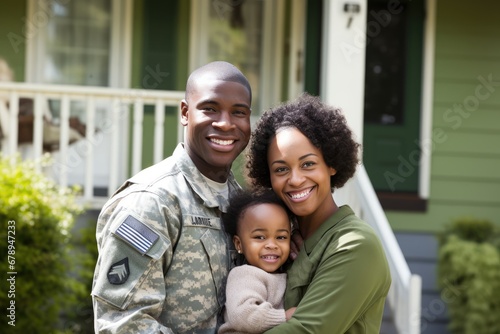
pixel 163 253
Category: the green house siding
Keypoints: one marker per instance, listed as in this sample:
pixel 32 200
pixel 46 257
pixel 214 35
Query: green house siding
pixel 465 177
pixel 13 35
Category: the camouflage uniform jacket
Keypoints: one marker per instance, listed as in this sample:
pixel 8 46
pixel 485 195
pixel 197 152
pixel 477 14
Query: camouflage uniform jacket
pixel 163 253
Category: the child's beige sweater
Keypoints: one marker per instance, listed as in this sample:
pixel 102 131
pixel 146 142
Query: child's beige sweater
pixel 254 300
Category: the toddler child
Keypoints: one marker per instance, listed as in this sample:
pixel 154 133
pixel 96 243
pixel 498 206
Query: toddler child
pixel 255 290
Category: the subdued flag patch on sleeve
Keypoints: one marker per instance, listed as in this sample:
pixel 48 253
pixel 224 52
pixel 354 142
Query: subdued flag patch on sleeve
pixel 136 234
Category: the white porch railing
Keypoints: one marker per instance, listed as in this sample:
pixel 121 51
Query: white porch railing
pixel 406 289
pixel 404 296
pixel 112 125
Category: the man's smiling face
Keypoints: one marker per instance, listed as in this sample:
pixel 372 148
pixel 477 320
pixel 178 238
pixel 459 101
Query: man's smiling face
pixel 217 116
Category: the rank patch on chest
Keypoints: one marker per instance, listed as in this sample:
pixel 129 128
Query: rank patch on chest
pixel 136 234
pixel 119 272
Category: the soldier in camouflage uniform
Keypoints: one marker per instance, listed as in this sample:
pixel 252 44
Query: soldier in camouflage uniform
pixel 163 253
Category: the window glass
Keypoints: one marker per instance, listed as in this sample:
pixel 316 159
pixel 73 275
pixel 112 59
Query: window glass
pixel 385 65
pixel 77 42
pixel 237 38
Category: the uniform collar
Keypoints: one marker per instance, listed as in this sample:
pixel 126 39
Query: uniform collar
pixel 198 183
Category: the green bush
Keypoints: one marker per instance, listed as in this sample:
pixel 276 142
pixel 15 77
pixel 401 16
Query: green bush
pixel 469 276
pixel 41 214
pixel 79 317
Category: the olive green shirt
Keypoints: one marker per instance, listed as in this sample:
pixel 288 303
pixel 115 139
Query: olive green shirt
pixel 339 281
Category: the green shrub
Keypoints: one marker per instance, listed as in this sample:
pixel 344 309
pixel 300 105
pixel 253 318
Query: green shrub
pixel 469 276
pixel 42 214
pixel 79 317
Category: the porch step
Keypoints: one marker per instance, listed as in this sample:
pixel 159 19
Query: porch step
pixel 387 326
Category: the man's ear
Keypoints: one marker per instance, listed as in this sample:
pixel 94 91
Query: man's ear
pixel 184 112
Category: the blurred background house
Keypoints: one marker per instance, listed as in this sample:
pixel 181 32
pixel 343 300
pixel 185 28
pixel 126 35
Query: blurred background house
pixel 419 81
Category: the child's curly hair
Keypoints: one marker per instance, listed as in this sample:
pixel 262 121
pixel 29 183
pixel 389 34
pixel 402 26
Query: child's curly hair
pixel 243 199
pixel 324 126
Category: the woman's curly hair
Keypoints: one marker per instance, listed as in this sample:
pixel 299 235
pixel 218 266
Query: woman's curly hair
pixel 324 126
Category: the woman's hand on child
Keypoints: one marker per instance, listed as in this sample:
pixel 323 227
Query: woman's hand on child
pixel 290 312
pixel 295 245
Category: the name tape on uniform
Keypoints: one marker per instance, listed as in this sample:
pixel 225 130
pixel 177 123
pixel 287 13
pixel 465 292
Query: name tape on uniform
pixel 199 221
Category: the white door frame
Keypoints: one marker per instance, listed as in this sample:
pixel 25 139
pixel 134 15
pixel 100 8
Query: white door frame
pixel 343 67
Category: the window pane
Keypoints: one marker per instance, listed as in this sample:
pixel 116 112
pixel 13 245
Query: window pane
pixel 78 39
pixel 237 38
pixel 385 66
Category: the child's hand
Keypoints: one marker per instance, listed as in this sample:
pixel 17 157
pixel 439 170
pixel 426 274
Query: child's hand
pixel 290 312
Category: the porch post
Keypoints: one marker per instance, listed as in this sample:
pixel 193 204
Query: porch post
pixel 343 59
pixel 343 69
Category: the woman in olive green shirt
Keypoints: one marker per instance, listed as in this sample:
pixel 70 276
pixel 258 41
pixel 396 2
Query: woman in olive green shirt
pixel 339 281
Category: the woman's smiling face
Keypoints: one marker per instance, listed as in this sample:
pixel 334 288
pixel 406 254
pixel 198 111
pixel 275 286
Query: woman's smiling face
pixel 299 174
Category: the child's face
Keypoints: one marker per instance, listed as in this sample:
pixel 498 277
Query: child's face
pixel 264 236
